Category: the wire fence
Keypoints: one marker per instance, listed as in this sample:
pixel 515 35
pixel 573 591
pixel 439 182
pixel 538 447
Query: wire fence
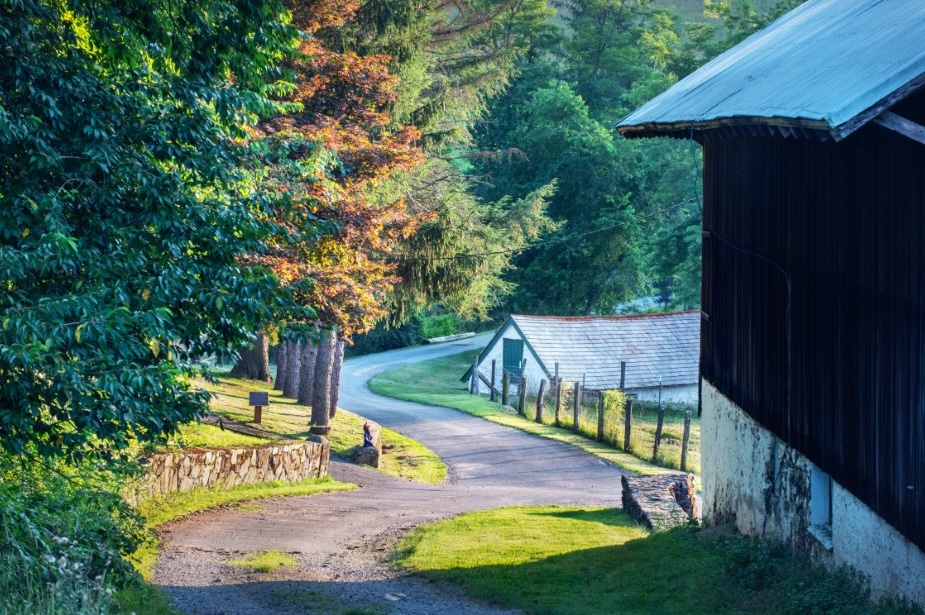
pixel 667 435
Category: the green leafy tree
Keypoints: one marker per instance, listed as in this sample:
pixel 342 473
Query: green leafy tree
pixel 128 201
pixel 449 60
pixel 612 195
pixel 680 51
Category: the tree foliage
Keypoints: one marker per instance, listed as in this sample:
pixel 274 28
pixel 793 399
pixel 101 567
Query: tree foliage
pixel 328 154
pixel 449 60
pixel 611 193
pixel 128 200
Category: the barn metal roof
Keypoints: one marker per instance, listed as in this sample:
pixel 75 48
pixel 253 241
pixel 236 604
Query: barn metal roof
pixel 824 69
pixel 655 347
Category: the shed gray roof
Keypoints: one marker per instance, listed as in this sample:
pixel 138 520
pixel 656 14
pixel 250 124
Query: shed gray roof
pixel 825 68
pixel 654 346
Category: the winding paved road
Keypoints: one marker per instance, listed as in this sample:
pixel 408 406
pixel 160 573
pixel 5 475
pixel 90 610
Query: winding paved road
pixel 339 539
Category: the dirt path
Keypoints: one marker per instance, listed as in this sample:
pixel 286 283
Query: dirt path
pixel 340 539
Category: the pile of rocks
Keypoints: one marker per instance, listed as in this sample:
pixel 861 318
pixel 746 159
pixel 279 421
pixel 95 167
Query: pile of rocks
pixel 661 502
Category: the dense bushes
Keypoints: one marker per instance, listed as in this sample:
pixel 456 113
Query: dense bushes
pixel 383 338
pixel 63 535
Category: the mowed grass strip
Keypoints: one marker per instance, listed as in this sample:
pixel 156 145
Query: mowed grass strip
pixel 593 561
pixel 436 383
pixel 401 456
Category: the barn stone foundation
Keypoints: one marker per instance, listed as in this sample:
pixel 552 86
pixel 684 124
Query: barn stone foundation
pixel 755 481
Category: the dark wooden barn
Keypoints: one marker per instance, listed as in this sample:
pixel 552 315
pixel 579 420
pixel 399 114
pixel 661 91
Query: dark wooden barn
pixel 814 238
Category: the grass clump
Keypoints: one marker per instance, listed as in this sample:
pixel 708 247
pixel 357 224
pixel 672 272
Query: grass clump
pixel 265 561
pixel 436 383
pixel 202 435
pixel 536 558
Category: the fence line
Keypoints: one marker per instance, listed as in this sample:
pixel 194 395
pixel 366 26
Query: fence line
pixel 609 418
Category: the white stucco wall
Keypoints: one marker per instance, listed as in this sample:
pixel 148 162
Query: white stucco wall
pixel 670 394
pixel 533 371
pixel 752 479
pixel 864 541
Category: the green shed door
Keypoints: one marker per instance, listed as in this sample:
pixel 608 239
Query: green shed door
pixel 513 355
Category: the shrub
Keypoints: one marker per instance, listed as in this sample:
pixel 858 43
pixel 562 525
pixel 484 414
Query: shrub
pixel 439 325
pixel 383 337
pixel 63 532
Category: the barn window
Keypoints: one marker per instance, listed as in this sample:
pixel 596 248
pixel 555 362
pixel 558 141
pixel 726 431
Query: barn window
pixel 820 507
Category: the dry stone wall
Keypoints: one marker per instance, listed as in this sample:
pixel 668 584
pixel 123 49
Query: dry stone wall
pixel 660 502
pixel 228 467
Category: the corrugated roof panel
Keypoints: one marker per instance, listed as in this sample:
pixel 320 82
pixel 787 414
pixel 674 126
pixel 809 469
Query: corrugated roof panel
pixel 654 346
pixel 828 65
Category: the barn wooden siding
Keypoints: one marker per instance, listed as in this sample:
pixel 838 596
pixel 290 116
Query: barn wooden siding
pixel 847 223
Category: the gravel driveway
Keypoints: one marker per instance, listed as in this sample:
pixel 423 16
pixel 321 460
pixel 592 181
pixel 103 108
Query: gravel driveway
pixel 340 540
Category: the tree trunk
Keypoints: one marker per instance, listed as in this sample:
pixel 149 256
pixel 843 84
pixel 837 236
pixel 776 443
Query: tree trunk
pixel 321 396
pixel 294 353
pixel 254 363
pixel 280 366
pixel 307 373
pixel 335 375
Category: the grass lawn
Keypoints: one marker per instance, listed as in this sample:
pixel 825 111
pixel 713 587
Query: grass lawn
pixel 436 382
pixel 573 561
pixel 401 456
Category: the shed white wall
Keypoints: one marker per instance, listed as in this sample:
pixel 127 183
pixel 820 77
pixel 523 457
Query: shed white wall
pixel 496 353
pixel 751 478
pixel 686 394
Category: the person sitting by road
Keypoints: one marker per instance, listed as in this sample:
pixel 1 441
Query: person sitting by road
pixel 367 436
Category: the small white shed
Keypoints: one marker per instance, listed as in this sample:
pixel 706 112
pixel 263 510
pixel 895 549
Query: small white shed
pixel 658 349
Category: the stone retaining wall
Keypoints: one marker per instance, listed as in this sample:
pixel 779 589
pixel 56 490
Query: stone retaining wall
pixel 228 467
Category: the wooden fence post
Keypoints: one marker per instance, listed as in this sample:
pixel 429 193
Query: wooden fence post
pixel 686 440
pixel 555 382
pixel 600 418
pixel 628 424
pixel 541 401
pixel 492 391
pixel 658 432
pixel 475 376
pixel 505 388
pixel 558 399
pixel 577 407
pixel 523 396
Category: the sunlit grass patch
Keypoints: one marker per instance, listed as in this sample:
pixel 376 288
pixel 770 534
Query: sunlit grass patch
pixel 574 561
pixel 202 435
pixel 265 561
pixel 401 456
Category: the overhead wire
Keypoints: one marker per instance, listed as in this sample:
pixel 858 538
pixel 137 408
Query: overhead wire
pixel 786 275
pixel 539 243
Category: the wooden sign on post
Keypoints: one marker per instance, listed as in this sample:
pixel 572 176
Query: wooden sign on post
pixel 258 399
